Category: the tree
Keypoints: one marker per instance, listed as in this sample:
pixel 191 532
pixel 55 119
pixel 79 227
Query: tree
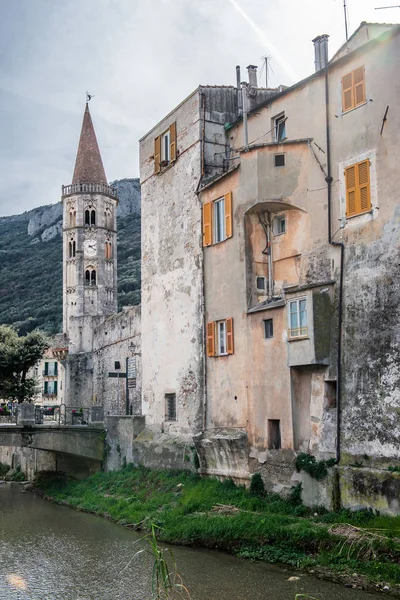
pixel 17 355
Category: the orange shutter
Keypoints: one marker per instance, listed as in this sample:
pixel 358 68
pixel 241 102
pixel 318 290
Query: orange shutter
pixel 363 185
pixel 228 214
pixel 359 86
pixel 351 208
pixel 157 154
pixel 172 142
pixel 229 336
pixel 211 339
pixel 347 92
pixel 207 224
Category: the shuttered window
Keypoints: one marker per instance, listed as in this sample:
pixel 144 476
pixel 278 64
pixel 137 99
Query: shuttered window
pixel 220 337
pixel 217 220
pixel 353 89
pixel 358 193
pixel 165 149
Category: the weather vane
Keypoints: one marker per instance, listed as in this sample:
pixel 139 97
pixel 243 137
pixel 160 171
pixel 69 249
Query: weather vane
pixel 89 97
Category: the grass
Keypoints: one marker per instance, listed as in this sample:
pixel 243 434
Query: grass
pixel 205 512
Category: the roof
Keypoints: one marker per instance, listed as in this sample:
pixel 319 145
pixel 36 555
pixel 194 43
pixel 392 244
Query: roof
pixel 88 165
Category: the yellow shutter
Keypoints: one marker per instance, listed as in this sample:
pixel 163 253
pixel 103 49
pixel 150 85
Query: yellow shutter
pixel 228 214
pixel 157 154
pixel 229 336
pixel 172 142
pixel 359 86
pixel 211 339
pixel 207 224
pixel 363 185
pixel 351 208
pixel 347 92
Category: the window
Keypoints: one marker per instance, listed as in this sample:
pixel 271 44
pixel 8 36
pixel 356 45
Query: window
pixel 170 407
pixel 72 249
pixel 108 250
pixel 90 277
pixel 358 193
pixel 93 217
pixel 280 127
pixel 353 89
pixel 108 219
pixel 268 328
pixel 261 284
pixel 220 337
pixel 274 434
pixel 72 218
pixel 279 160
pixel 217 220
pixel 87 217
pixel 279 225
pixel 165 148
pixel 298 318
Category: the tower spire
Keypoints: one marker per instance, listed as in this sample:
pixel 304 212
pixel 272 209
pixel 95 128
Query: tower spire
pixel 88 166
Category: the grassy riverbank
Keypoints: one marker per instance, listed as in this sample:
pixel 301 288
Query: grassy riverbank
pixel 361 548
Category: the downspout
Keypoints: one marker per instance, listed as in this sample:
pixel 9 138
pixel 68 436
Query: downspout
pixel 203 291
pixel 328 180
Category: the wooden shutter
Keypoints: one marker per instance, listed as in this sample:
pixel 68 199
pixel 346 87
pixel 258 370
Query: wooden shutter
pixel 211 339
pixel 363 185
pixel 172 142
pixel 347 92
pixel 228 214
pixel 229 336
pixel 157 154
pixel 207 224
pixel 359 86
pixel 351 208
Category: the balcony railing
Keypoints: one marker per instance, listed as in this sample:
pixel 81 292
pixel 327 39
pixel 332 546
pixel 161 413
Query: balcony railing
pixel 89 188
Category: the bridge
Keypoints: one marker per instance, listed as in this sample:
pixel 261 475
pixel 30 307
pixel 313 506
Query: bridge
pixel 83 441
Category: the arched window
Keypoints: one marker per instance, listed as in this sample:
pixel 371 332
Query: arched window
pixel 93 217
pixel 108 250
pixel 73 248
pixel 108 218
pixel 70 249
pixel 87 277
pixel 72 218
pixel 93 278
pixel 87 217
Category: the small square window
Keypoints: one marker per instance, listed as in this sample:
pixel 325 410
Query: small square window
pixel 170 407
pixel 280 127
pixel 279 160
pixel 279 225
pixel 268 328
pixel 274 434
pixel 261 284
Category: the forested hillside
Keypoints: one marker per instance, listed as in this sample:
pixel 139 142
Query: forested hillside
pixel 31 262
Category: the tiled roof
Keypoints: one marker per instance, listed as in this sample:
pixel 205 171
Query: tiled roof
pixel 88 166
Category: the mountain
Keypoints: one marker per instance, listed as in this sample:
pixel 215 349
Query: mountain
pixel 31 262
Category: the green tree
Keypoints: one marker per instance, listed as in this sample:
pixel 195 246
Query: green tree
pixel 17 355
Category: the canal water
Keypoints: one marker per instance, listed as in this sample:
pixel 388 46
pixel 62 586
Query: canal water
pixel 51 552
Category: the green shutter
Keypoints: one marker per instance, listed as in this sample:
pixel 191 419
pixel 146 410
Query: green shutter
pixel 46 387
pixel 55 388
pixel 46 368
pixel 56 368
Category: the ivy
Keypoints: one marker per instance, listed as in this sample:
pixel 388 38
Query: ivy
pixel 318 469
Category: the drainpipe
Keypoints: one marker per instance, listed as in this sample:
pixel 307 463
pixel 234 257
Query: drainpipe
pixel 270 262
pixel 244 105
pixel 328 180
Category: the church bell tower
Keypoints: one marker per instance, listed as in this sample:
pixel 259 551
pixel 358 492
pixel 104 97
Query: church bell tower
pixel 89 244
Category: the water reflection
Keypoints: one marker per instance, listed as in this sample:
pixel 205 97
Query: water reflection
pixel 50 552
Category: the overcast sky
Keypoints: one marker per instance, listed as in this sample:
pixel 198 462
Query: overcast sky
pixel 139 58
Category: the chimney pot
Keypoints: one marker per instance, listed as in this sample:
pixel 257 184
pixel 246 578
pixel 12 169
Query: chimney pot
pixel 252 71
pixel 320 51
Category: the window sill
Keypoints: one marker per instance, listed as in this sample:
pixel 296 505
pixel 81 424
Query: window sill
pixel 360 214
pixel 163 169
pixel 346 112
pixel 298 338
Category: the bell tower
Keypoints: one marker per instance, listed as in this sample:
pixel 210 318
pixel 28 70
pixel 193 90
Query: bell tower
pixel 89 244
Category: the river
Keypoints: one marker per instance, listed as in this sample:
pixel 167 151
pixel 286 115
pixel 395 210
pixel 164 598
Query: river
pixel 51 552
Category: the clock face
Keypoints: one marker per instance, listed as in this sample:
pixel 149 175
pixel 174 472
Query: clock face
pixel 90 247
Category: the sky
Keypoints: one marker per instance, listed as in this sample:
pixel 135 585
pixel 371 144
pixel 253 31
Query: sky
pixel 139 58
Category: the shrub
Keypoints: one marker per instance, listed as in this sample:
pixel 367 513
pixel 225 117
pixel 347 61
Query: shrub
pixel 257 485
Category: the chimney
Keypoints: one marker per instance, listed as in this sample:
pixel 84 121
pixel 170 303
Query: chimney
pixel 238 77
pixel 252 71
pixel 320 51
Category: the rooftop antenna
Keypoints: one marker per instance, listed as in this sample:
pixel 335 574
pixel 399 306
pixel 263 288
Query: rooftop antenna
pixel 383 7
pixel 89 97
pixel 345 19
pixel 265 63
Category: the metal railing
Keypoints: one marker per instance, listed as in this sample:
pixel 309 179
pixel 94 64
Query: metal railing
pixel 59 414
pixel 89 188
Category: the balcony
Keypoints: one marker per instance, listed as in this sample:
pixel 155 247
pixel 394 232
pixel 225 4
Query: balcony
pixel 89 188
pixel 49 373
